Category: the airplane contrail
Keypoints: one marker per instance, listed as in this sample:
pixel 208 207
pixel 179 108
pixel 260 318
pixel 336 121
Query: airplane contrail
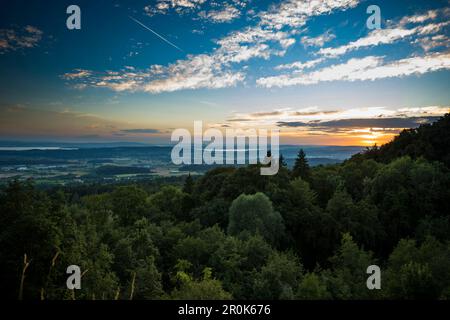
pixel 155 33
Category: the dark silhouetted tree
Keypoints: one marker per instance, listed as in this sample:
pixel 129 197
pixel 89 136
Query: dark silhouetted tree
pixel 301 167
pixel 188 184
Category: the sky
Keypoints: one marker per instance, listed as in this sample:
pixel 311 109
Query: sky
pixel 138 70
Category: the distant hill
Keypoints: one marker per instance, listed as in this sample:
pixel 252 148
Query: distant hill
pixel 431 141
pixel 81 145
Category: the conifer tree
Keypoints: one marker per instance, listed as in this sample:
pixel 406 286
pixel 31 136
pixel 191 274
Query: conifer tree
pixel 301 167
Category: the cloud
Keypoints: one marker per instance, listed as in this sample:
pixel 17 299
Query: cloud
pixel 434 42
pixel 318 41
pixel 383 36
pixel 223 11
pixel 300 65
pixel 376 37
pixel 273 116
pixel 180 6
pixel 423 27
pixel 266 113
pixel 200 71
pixel 139 131
pixel 394 32
pixel 125 85
pixel 252 42
pixel 393 123
pixel 314 115
pixel 76 74
pixel 12 40
pixel 354 126
pixel 227 14
pixel 369 129
pixel 361 69
pixel 295 13
pixel 423 111
pixel 422 17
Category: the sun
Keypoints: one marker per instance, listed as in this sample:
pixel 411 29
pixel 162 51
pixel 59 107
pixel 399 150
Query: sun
pixel 372 136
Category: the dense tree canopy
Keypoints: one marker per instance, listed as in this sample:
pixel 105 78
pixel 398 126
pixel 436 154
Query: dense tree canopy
pixel 232 233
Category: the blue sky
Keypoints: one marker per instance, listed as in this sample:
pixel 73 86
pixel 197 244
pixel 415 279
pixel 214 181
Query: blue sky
pixel 310 68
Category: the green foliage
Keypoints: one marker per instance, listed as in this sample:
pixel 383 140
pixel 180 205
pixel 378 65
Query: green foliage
pixel 356 174
pixel 255 214
pixel 312 230
pixel 188 185
pixel 358 219
pixel 147 284
pixel 129 203
pixel 279 278
pixel 206 288
pixel 347 277
pixel 419 272
pixel 407 191
pixel 324 182
pixel 313 287
pixel 30 224
pixel 167 204
pixel 212 212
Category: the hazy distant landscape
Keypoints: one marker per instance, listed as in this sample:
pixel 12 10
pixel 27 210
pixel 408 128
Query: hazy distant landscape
pixel 70 163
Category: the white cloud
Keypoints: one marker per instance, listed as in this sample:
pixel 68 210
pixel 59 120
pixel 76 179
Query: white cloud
pixel 200 71
pixel 419 18
pixel 368 68
pixel 125 85
pixel 180 6
pixel 227 14
pixel 422 111
pixel 376 37
pixel 395 32
pixel 252 42
pixel 432 28
pixel 318 41
pixel 222 11
pixel 300 65
pixel 295 13
pixel 431 43
pixel 255 41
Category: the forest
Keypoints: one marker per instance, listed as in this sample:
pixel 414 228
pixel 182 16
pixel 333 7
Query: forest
pixel 305 233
